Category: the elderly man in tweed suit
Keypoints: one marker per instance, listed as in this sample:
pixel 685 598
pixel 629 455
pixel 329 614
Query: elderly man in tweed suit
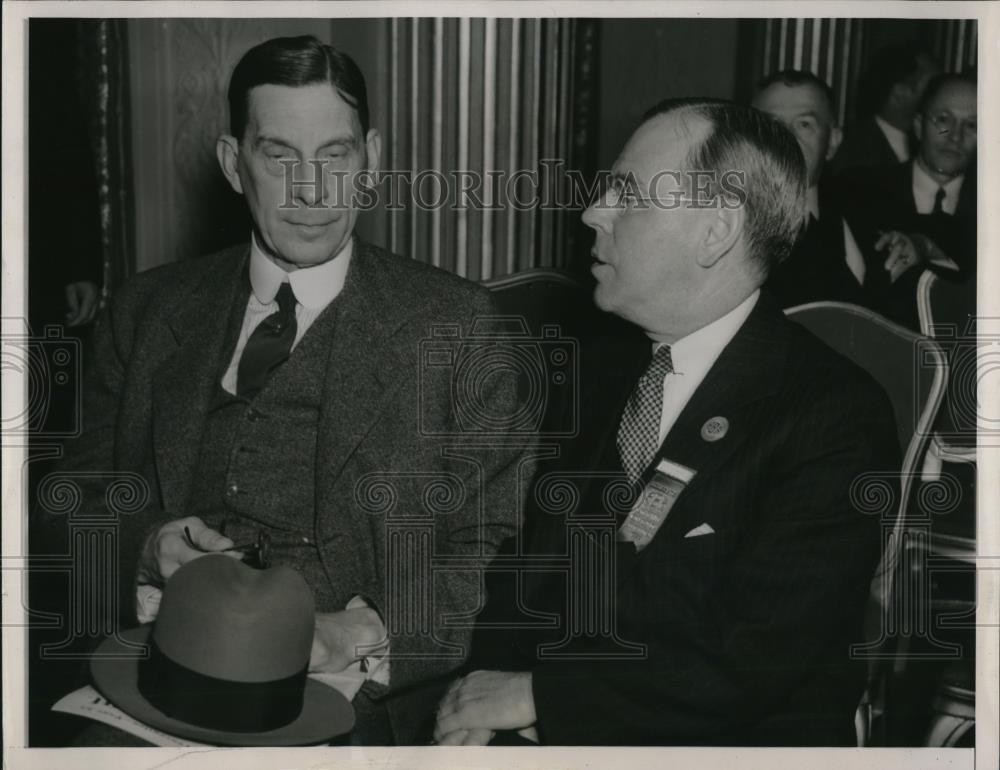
pixel 273 390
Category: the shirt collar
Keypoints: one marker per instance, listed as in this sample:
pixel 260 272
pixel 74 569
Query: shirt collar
pixel 694 354
pixel 898 140
pixel 314 287
pixel 925 190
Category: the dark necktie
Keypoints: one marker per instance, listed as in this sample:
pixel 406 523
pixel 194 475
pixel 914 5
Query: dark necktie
pixel 939 197
pixel 639 430
pixel 268 347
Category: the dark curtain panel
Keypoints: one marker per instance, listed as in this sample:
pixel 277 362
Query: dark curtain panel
pixel 64 230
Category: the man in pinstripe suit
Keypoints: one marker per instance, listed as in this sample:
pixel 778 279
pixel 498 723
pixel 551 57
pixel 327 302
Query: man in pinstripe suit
pixel 716 604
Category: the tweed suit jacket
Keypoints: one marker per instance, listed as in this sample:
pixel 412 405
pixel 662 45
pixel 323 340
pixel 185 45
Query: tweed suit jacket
pixel 733 625
pixel 381 440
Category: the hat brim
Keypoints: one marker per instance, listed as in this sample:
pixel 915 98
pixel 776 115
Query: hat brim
pixel 326 713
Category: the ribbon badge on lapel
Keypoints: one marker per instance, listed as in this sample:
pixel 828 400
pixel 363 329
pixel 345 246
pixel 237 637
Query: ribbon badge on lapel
pixel 715 429
pixel 655 502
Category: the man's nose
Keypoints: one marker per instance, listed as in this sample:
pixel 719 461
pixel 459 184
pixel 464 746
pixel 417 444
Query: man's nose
pixel 310 184
pixel 600 214
pixel 958 135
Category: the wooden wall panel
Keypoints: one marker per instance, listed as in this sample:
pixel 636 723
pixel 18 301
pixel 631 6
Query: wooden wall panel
pixel 179 71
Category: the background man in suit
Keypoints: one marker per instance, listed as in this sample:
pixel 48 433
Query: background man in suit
pixel 272 391
pixel 891 92
pixel 742 427
pixel 826 262
pixel 923 213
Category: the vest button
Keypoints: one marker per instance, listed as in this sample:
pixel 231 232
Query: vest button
pixel 232 490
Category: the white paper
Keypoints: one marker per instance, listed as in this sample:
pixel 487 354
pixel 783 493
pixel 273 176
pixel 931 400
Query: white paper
pixel 87 702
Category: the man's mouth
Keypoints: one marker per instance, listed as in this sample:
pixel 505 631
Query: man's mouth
pixel 311 228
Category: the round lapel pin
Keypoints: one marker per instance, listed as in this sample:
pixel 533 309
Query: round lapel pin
pixel 715 428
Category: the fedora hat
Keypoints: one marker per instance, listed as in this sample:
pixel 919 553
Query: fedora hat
pixel 226 660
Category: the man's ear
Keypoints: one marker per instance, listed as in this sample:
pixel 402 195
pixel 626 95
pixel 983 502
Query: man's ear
pixel 724 228
pixel 836 137
pixel 227 150
pixel 373 145
pixel 918 127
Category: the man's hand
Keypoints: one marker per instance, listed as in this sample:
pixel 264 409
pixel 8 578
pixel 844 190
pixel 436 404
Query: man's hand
pixel 81 299
pixel 485 701
pixel 477 737
pixel 170 547
pixel 341 638
pixel 903 253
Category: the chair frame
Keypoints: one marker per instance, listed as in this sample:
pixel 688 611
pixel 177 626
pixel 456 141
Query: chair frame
pixel 913 454
pixel 530 276
pixel 939 450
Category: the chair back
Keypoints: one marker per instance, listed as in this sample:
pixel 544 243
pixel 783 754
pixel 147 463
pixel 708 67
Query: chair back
pixel 912 370
pixel 541 297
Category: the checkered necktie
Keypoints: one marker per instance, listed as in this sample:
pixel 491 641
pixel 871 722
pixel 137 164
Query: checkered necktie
pixel 269 346
pixel 640 425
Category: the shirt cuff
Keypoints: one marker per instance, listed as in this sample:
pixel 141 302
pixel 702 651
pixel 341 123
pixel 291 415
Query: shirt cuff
pixel 374 667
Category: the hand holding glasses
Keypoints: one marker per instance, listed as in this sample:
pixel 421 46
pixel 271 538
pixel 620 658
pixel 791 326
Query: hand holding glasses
pixel 256 554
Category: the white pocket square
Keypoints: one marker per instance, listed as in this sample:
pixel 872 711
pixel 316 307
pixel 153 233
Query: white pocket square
pixel 701 529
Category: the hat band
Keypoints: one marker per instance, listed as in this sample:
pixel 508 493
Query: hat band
pixel 219 704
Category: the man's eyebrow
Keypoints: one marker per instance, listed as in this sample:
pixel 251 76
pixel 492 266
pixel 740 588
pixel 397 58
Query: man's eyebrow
pixel 349 141
pixel 264 139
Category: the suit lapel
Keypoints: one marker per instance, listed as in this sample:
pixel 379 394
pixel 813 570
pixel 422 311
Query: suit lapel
pixel 748 371
pixel 186 380
pixel 363 366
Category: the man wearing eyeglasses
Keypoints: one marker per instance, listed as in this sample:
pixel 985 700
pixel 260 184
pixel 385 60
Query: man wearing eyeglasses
pixel 705 582
pixel 922 213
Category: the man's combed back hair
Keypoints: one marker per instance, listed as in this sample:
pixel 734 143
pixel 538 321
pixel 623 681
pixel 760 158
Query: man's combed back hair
pixel 794 78
pixel 939 82
pixel 773 171
pixel 295 61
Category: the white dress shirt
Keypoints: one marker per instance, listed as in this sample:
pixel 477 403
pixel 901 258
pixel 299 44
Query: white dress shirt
pixel 693 356
pixel 314 288
pixel 925 190
pixel 898 140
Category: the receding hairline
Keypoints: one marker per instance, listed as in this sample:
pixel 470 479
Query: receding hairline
pixel 685 129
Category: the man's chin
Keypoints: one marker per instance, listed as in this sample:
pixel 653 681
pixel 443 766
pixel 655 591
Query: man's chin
pixel 301 255
pixel 602 298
